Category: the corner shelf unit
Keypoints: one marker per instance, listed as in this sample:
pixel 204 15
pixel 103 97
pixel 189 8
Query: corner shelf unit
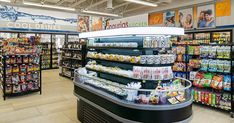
pixel 212 42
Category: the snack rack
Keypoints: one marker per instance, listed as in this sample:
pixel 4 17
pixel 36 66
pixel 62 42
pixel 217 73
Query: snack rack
pixel 21 72
pixel 112 68
pixel 209 39
pixel 72 57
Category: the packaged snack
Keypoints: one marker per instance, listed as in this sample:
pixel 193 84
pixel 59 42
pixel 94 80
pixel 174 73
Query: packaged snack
pixel 181 50
pixel 173 100
pixel 195 95
pixel 146 73
pixel 36 67
pixel 156 74
pixel 16 89
pixel 23 87
pixel 8 69
pixel 216 81
pixel 35 75
pixel 15 79
pixel 25 59
pixel 191 50
pixel 23 68
pixel 180 98
pixel 143 59
pixel 227 83
pixel 8 80
pixel 8 89
pixel 15 68
pixel 227 52
pixel 30 85
pixel 157 59
pixel 29 76
pixel 163 59
pixel 210 99
pixel 137 72
pixel 30 58
pixel 212 52
pixel 7 59
pixel 220 52
pixel 202 96
pixel 30 68
pixel 226 66
pixel 220 65
pixel 150 59
pixel 206 100
pixel 204 51
pixel 212 66
pixel 18 59
pixel 12 59
pixel 207 79
pixel 197 50
pixel 204 64
pixel 213 99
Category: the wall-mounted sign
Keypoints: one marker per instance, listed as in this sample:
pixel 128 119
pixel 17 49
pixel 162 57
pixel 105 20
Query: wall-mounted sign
pixel 185 18
pixel 169 19
pixel 29 18
pixel 96 23
pixel 83 24
pixel 155 18
pixel 134 21
pixel 206 16
pixel 223 8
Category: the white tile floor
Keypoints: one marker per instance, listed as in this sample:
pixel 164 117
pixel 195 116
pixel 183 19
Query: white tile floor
pixel 57 104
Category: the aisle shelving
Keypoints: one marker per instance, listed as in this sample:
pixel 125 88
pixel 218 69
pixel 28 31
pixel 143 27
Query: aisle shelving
pixel 214 64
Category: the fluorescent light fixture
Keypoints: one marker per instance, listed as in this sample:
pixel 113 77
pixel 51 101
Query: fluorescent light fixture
pixel 8 1
pixel 143 3
pixel 147 31
pixel 99 13
pixel 49 6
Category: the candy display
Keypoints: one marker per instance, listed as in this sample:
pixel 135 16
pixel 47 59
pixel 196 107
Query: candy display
pixel 222 101
pixel 142 59
pixel 126 45
pixel 20 64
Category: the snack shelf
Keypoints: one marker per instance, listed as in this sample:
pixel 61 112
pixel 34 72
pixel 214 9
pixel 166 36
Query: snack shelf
pixel 22 93
pixel 129 63
pixel 127 48
pixel 217 47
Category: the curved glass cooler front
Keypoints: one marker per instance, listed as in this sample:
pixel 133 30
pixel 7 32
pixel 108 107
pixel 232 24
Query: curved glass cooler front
pixel 178 93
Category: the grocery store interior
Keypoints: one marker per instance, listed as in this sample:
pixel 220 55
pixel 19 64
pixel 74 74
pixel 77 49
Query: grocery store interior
pixel 116 61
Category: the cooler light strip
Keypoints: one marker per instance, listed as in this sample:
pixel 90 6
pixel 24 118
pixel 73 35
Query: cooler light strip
pixel 134 31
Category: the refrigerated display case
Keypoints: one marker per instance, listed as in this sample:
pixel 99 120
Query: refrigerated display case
pixel 57 43
pixel 128 78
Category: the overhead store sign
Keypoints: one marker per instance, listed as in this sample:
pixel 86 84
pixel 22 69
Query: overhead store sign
pixel 134 21
pixel 28 18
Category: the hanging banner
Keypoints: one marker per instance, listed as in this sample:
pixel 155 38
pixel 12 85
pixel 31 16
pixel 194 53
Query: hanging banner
pixel 155 19
pixel 185 17
pixel 169 19
pixel 96 23
pixel 206 16
pixel 30 18
pixel 223 8
pixel 133 21
pixel 83 24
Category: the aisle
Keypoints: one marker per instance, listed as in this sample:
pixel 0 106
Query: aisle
pixel 57 104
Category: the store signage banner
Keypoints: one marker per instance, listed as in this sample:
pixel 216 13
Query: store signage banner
pixel 169 19
pixel 28 18
pixel 206 16
pixel 134 21
pixel 83 23
pixel 155 19
pixel 96 23
pixel 223 8
pixel 185 18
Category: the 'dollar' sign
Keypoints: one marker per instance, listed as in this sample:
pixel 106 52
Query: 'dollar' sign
pixel 29 18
